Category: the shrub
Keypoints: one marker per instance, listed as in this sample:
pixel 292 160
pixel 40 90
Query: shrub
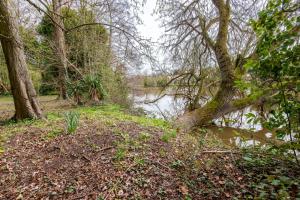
pixel 94 87
pixel 90 87
pixel 72 121
pixel 76 90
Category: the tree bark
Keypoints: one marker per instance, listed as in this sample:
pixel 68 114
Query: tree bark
pixel 60 48
pixel 24 94
pixel 221 101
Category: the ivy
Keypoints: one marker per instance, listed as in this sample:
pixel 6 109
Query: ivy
pixel 278 67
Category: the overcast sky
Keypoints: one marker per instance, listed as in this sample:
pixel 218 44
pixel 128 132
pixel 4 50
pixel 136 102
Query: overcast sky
pixel 150 28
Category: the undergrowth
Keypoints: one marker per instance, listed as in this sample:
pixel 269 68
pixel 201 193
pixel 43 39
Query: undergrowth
pixel 109 114
pixel 271 175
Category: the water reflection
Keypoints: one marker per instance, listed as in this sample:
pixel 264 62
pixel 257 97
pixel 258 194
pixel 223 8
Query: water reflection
pixel 164 108
pixel 243 137
pixel 232 129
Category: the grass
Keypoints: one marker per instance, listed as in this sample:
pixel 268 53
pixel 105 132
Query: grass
pixel 109 114
pixel 53 134
pixel 168 135
pixel 117 113
pixel 9 99
pixel 146 143
pixel 6 99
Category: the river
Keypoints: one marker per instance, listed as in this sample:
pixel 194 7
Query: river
pixel 237 132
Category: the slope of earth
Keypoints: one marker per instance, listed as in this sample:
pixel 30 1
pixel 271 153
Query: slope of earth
pixel 114 155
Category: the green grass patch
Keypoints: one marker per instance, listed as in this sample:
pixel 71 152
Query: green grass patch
pixel 54 116
pixel 117 113
pixel 120 154
pixel 6 99
pixel 168 135
pixel 109 115
pixel 144 136
pixel 53 134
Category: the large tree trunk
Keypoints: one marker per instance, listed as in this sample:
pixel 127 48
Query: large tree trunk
pixel 24 94
pixel 60 49
pixel 222 100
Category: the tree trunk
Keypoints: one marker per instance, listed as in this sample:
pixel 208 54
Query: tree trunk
pixel 226 92
pixel 60 49
pixel 24 94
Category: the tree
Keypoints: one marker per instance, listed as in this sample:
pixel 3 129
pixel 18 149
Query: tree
pixel 87 56
pixel 221 37
pixel 25 98
pixel 125 46
pixel 60 48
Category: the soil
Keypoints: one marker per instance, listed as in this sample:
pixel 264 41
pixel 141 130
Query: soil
pixel 122 160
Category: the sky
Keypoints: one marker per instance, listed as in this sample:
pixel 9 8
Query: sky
pixel 150 29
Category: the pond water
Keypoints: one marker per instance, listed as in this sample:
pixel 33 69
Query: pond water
pixel 236 132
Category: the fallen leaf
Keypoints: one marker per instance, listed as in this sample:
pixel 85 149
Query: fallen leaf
pixel 227 194
pixel 121 193
pixel 20 197
pixel 184 190
pixel 222 182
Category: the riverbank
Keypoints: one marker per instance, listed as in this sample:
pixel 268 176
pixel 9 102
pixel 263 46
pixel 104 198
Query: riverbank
pixel 116 155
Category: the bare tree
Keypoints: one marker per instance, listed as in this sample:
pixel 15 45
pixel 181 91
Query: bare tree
pixel 120 17
pixel 217 33
pixel 26 103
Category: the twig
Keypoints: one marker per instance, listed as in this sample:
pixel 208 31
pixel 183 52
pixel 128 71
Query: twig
pixel 106 148
pixel 158 163
pixel 232 152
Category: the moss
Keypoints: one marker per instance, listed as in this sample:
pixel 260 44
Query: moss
pixel 242 102
pixel 213 104
pixel 247 100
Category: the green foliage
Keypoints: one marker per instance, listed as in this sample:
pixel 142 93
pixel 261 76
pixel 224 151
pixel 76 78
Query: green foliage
pixel 114 83
pixel 87 47
pixel 270 178
pixel 94 86
pixel 76 90
pixel 71 121
pixel 155 81
pixel 277 67
pixel 33 52
pixel 89 87
pixel 144 136
pixel 168 135
pixel 53 134
pixel 89 52
pixel 176 164
pixel 120 154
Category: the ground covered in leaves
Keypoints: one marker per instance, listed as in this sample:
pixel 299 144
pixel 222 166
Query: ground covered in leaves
pixel 115 155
